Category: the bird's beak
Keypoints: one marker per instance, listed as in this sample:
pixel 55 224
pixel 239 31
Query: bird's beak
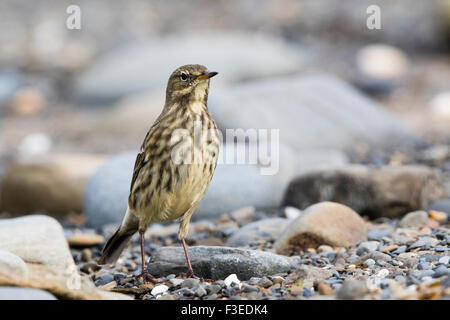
pixel 206 75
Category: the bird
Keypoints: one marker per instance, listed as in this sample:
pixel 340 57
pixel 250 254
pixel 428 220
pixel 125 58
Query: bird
pixel 174 167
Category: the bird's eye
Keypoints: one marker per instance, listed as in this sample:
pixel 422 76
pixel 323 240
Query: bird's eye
pixel 184 76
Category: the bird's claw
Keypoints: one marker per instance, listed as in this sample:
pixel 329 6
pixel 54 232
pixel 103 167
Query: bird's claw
pixel 147 277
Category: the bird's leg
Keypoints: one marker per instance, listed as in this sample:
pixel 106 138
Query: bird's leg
pixel 146 277
pixel 190 273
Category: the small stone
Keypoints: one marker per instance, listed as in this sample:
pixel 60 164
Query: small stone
pixel 176 281
pixel 200 292
pixel 325 289
pixel 277 279
pixel 307 292
pixel 441 271
pixel 423 266
pixel 296 290
pixel 382 273
pixel 327 223
pixel 86 255
pixel 250 289
pixel 351 267
pixel 424 242
pixel 379 256
pixel 188 292
pixel 232 278
pixel 190 283
pixel 243 215
pixel 417 219
pixel 367 246
pixel 159 289
pixel 400 250
pixel 426 273
pixel 324 248
pixel 389 248
pixel 369 263
pixel 108 286
pixel 265 282
pixel 437 215
pixel 444 260
pixel 292 212
pixel 352 289
pixel 106 278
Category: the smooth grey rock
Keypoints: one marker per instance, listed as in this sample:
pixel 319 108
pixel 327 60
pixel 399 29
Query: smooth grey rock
pixel 236 56
pixel 352 289
pixel 266 229
pixel 367 246
pixel 369 263
pixel 17 293
pixel 9 82
pixel 233 185
pixel 106 195
pixel 414 219
pixel 218 262
pixel 321 109
pixel 376 192
pixel 441 205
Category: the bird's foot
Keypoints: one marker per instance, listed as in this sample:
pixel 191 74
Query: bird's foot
pixel 147 277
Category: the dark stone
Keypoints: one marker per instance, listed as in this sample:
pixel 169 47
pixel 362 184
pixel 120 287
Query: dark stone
pixel 218 262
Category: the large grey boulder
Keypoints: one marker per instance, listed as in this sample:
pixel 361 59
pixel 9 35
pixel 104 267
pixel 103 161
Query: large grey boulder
pixel 233 185
pixel 218 262
pixel 34 253
pixel 310 111
pixel 14 293
pixel 375 192
pixel 137 67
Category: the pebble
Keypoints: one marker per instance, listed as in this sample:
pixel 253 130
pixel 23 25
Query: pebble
pixel 426 273
pixel 369 263
pixel 444 260
pixel 265 282
pixel 367 246
pixel 352 289
pixel 383 273
pixel 200 292
pixel 423 266
pixel 250 288
pixel 107 278
pixel 190 283
pixel 307 292
pixel 85 240
pixel 232 278
pixel 159 289
pixel 176 281
pixel 441 271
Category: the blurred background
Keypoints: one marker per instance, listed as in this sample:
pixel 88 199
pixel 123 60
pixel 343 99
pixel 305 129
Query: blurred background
pixel 75 104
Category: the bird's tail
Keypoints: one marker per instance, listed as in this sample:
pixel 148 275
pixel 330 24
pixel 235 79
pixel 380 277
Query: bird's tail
pixel 119 240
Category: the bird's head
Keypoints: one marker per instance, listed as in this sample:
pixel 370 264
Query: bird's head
pixel 189 81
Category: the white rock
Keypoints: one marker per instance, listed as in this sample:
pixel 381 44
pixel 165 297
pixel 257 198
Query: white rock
pixel 175 281
pixel 292 213
pixel 236 56
pixel 444 260
pixel 35 144
pixel 383 273
pixel 440 104
pixel 232 278
pixel 159 289
pixel 381 61
pixel 12 264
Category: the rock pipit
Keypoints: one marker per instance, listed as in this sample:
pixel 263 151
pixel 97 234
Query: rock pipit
pixel 175 166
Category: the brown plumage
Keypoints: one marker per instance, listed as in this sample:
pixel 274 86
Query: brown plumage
pixel 175 166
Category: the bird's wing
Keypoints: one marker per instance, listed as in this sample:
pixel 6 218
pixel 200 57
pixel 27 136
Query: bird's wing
pixel 140 162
